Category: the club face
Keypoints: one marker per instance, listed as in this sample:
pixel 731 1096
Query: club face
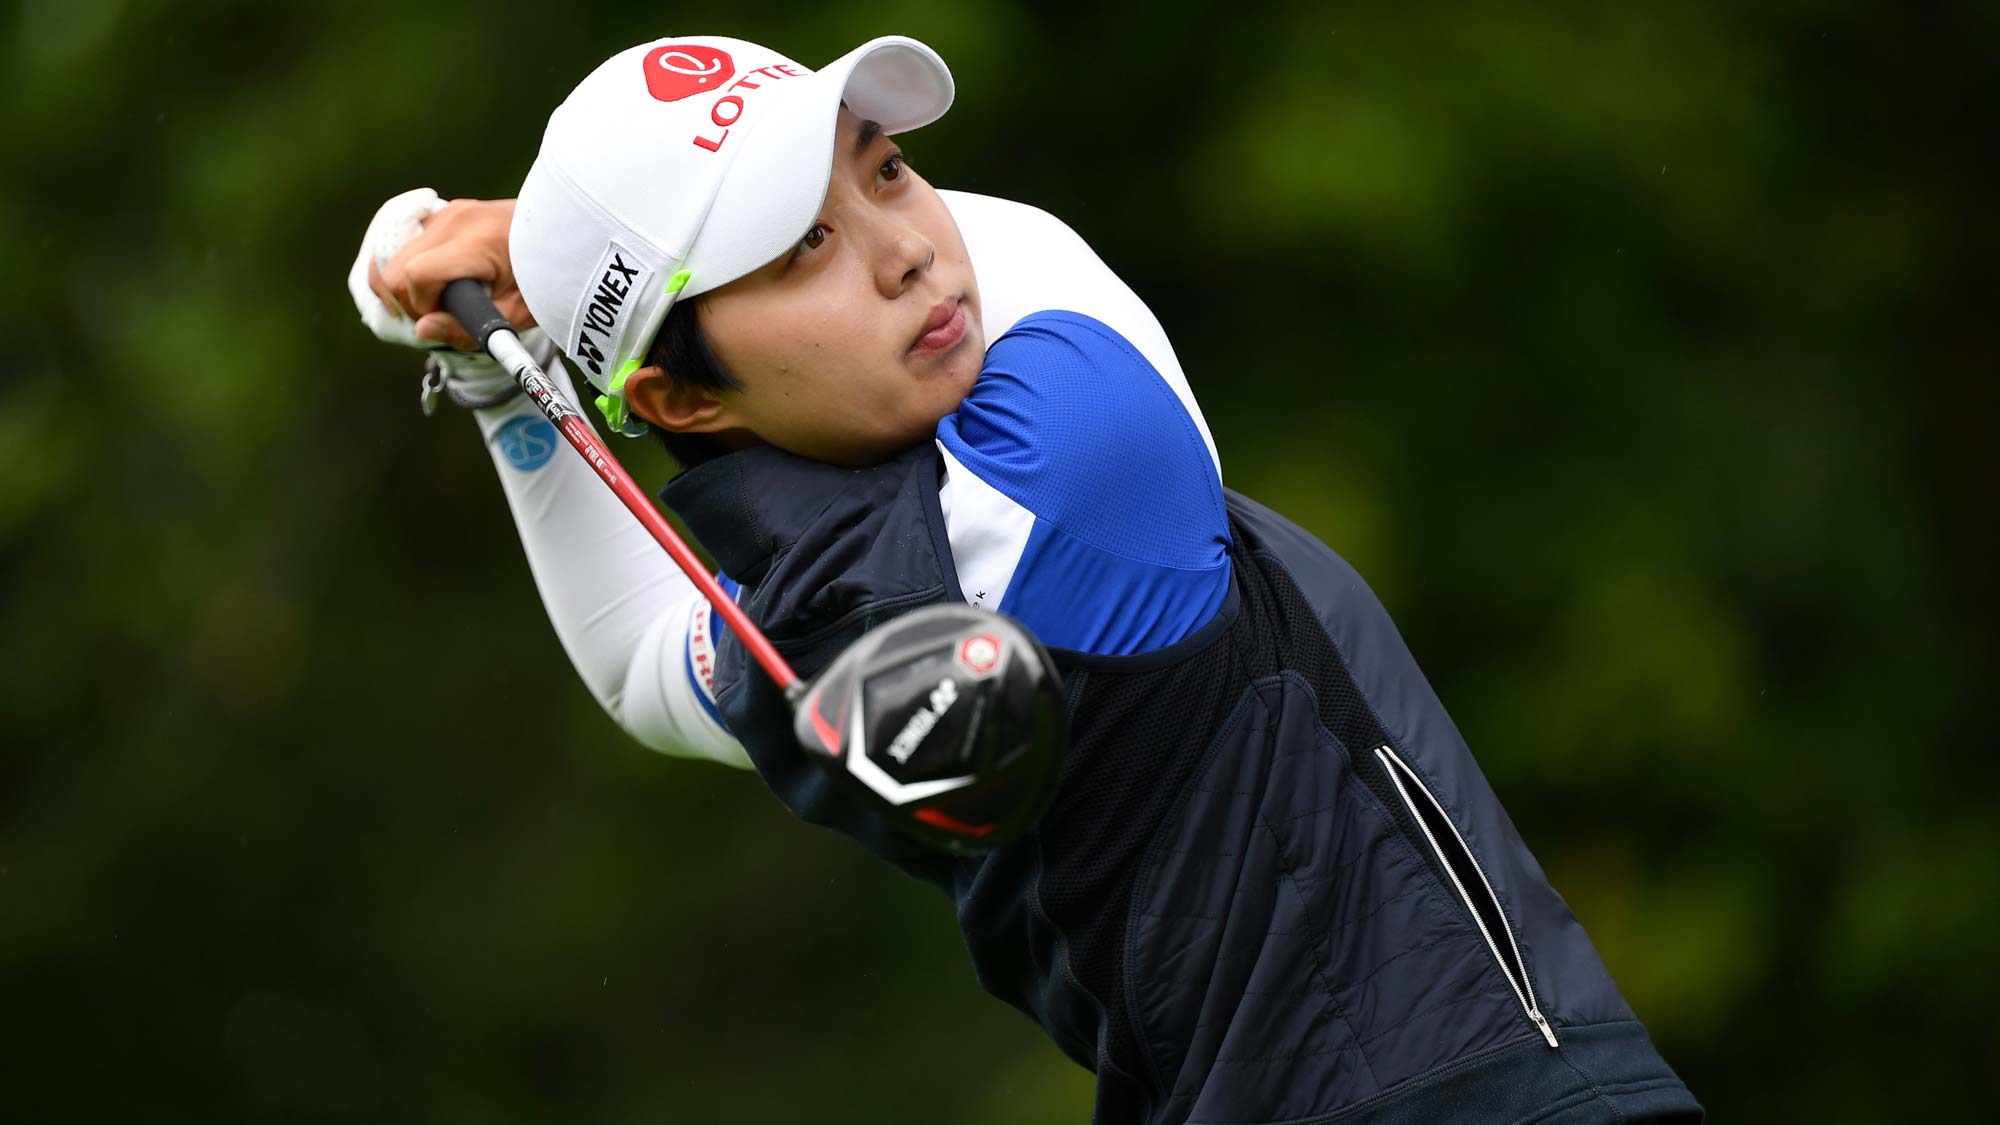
pixel 950 718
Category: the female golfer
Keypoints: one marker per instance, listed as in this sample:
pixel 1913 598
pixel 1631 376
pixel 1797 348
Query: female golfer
pixel 1273 886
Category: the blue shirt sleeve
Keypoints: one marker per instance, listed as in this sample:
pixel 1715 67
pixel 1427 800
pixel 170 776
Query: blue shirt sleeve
pixel 1080 440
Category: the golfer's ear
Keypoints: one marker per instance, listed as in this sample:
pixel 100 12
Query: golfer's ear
pixel 675 406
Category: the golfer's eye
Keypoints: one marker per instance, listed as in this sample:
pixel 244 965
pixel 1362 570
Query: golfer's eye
pixel 891 169
pixel 814 239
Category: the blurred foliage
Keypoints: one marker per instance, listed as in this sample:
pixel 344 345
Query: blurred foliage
pixel 1643 357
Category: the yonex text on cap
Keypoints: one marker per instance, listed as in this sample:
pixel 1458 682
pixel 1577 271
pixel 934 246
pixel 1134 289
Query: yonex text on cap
pixel 681 165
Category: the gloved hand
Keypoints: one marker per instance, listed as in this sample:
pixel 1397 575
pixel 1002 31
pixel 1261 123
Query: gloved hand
pixel 414 241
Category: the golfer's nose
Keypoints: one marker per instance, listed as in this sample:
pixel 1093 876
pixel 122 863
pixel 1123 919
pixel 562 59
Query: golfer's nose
pixel 904 255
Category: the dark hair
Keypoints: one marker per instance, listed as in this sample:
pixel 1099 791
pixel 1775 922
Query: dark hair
pixel 683 354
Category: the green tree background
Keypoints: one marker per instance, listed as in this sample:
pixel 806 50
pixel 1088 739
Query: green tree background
pixel 1642 356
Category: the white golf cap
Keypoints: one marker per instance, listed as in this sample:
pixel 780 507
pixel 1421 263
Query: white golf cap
pixel 680 165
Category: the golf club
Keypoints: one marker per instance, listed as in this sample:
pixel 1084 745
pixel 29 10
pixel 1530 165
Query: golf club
pixel 949 717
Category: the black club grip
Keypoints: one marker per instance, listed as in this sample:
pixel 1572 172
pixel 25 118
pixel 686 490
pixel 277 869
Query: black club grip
pixel 466 300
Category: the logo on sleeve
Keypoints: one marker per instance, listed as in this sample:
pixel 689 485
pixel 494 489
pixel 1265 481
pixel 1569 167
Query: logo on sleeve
pixel 682 70
pixel 527 443
pixel 600 316
pixel 701 649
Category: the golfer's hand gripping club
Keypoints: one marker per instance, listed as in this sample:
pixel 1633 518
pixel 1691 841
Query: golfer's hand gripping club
pixel 949 717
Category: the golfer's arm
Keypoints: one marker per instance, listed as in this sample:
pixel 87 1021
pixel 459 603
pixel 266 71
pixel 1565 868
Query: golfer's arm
pixel 621 610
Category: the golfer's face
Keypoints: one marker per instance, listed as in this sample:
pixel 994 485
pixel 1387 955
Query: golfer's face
pixel 856 341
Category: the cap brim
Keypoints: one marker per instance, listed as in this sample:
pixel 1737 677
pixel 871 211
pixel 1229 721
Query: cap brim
pixel 893 80
pixel 779 178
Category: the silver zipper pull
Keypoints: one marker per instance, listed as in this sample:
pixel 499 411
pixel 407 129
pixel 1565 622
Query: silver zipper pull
pixel 431 386
pixel 1542 1024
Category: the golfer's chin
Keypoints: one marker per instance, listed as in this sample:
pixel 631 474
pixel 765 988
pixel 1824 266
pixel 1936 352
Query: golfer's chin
pixel 943 381
pixel 945 392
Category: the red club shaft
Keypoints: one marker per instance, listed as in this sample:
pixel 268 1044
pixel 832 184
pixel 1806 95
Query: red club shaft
pixel 585 441
pixel 467 300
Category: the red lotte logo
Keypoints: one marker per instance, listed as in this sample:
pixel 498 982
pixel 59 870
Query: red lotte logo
pixel 685 69
pixel 681 70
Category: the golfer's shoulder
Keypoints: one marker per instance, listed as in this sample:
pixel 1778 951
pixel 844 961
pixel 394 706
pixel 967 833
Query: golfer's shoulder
pixel 1081 415
pixel 1082 493
pixel 1075 423
pixel 1079 495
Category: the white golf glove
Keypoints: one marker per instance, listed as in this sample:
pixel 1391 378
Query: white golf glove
pixel 466 376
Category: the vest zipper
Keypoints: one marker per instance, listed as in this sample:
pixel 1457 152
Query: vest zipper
pixel 1517 972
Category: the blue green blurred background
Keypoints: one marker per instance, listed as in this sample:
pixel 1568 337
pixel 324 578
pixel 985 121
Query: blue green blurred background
pixel 1643 357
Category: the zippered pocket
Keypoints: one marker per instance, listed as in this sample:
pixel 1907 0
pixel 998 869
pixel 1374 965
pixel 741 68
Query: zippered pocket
pixel 1462 867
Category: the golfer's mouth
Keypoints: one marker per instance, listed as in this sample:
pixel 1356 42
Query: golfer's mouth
pixel 942 330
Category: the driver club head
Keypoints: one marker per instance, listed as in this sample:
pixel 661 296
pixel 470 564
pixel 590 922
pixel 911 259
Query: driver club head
pixel 950 717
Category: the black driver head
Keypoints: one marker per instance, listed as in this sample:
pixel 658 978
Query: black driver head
pixel 950 718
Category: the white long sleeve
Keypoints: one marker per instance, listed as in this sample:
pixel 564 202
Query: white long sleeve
pixel 633 625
